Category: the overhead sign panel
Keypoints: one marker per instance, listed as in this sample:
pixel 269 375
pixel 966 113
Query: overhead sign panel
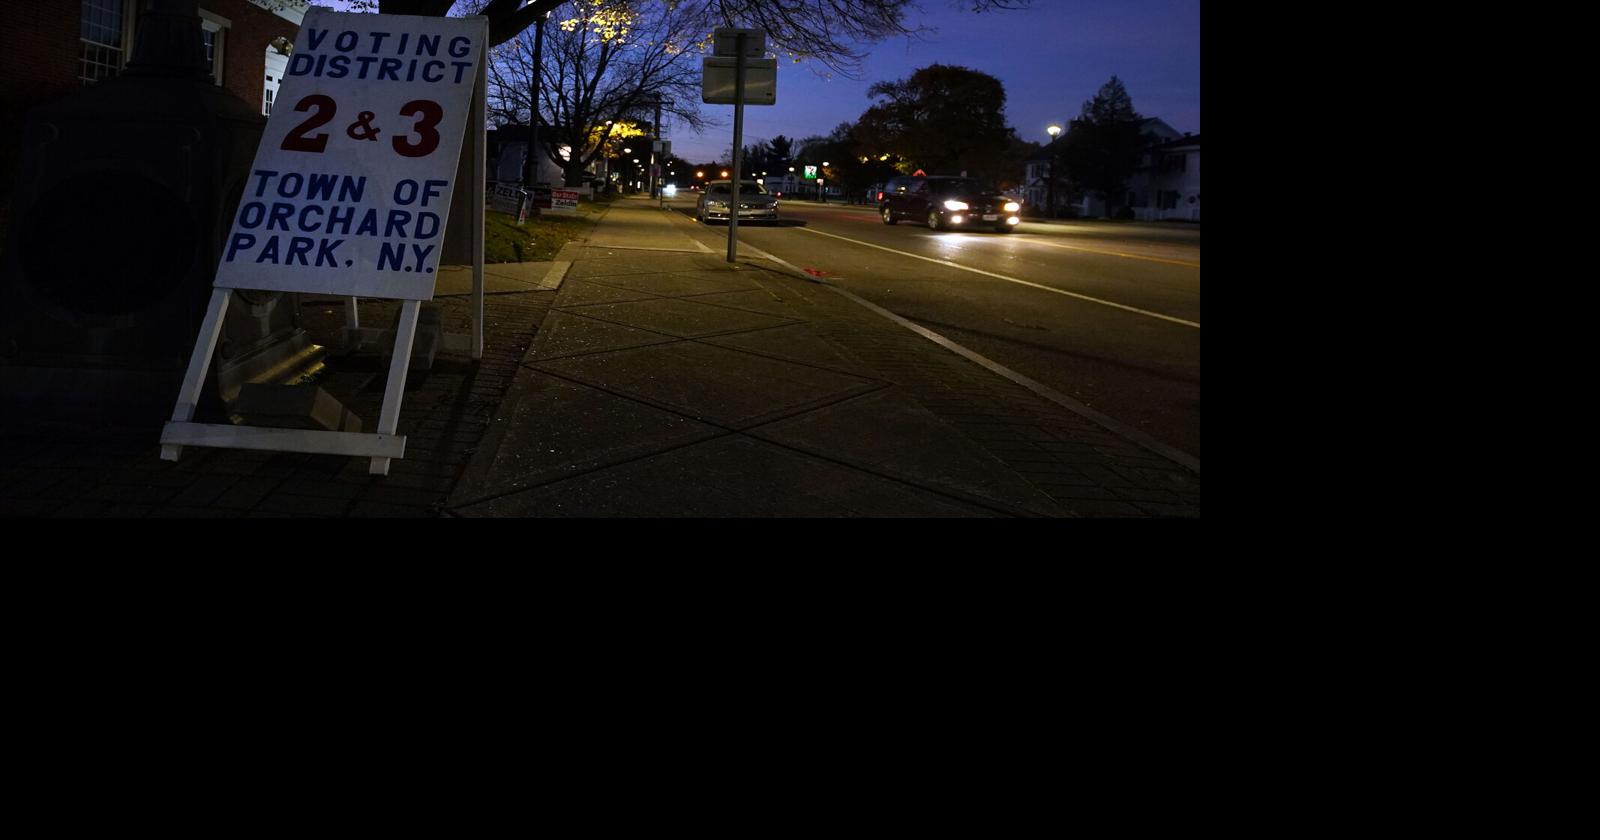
pixel 726 42
pixel 350 191
pixel 719 78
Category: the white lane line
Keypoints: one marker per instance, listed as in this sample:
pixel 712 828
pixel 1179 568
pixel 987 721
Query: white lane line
pixel 1030 240
pixel 1112 253
pixel 1128 432
pixel 1010 279
pixel 1039 388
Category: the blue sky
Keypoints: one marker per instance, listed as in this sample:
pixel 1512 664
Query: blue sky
pixel 1051 57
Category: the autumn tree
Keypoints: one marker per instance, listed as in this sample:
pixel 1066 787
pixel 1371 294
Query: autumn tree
pixel 605 63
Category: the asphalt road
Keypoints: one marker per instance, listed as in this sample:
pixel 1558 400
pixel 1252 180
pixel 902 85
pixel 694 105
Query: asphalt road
pixel 1106 313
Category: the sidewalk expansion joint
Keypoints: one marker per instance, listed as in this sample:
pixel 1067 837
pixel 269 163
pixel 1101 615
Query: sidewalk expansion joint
pixel 463 295
pixel 596 466
pixel 753 423
pixel 720 334
pixel 725 433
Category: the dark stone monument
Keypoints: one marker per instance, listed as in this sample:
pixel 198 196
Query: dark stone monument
pixel 125 194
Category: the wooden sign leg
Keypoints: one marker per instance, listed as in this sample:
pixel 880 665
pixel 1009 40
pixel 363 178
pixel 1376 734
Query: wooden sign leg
pixel 480 155
pixel 352 324
pixel 199 362
pixel 389 420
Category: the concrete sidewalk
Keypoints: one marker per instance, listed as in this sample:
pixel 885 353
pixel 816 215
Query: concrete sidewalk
pixel 666 382
pixel 638 374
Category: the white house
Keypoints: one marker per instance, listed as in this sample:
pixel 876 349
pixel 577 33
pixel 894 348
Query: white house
pixel 1166 185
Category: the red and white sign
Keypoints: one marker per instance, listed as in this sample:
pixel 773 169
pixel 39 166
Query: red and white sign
pixel 563 201
pixel 350 190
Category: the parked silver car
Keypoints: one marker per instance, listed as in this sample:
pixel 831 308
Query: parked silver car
pixel 755 203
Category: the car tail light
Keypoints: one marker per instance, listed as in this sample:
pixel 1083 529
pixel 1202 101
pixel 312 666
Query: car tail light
pixel 880 195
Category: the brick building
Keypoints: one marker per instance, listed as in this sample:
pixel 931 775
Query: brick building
pixel 49 48
pixel 53 46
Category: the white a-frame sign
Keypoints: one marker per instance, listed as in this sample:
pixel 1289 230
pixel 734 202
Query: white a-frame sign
pixel 349 195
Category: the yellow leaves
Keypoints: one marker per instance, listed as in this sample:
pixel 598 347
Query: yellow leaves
pixel 614 136
pixel 609 20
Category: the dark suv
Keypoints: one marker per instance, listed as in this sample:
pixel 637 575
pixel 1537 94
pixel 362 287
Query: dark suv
pixel 950 202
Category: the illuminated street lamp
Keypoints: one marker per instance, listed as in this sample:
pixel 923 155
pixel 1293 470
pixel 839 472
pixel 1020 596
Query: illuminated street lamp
pixel 700 174
pixel 724 173
pixel 1054 131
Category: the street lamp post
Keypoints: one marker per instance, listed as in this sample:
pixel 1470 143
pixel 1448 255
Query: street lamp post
pixel 1054 131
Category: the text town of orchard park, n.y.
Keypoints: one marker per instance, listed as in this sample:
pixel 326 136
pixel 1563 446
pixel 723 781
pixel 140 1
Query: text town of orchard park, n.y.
pixel 329 206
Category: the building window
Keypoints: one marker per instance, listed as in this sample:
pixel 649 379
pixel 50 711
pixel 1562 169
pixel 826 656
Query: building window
pixel 277 65
pixel 103 34
pixel 214 32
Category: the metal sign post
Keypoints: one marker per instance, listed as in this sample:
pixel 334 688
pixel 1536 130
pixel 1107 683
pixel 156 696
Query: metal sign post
pixel 741 45
pixel 738 151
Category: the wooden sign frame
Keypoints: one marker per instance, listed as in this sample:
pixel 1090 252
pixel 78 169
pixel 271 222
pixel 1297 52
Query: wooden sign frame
pixel 385 444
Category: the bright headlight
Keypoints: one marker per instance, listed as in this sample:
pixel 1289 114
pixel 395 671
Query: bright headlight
pixel 1012 207
pixel 955 205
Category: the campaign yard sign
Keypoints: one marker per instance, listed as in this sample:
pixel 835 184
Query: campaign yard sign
pixel 563 201
pixel 512 200
pixel 350 190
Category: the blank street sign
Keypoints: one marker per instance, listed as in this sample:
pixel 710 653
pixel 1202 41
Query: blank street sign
pixel 760 80
pixel 727 42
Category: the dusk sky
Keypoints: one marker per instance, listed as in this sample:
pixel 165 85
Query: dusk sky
pixel 1051 58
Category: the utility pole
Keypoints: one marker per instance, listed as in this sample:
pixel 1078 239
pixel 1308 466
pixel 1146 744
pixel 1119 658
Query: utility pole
pixel 1054 131
pixel 529 165
pixel 655 180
